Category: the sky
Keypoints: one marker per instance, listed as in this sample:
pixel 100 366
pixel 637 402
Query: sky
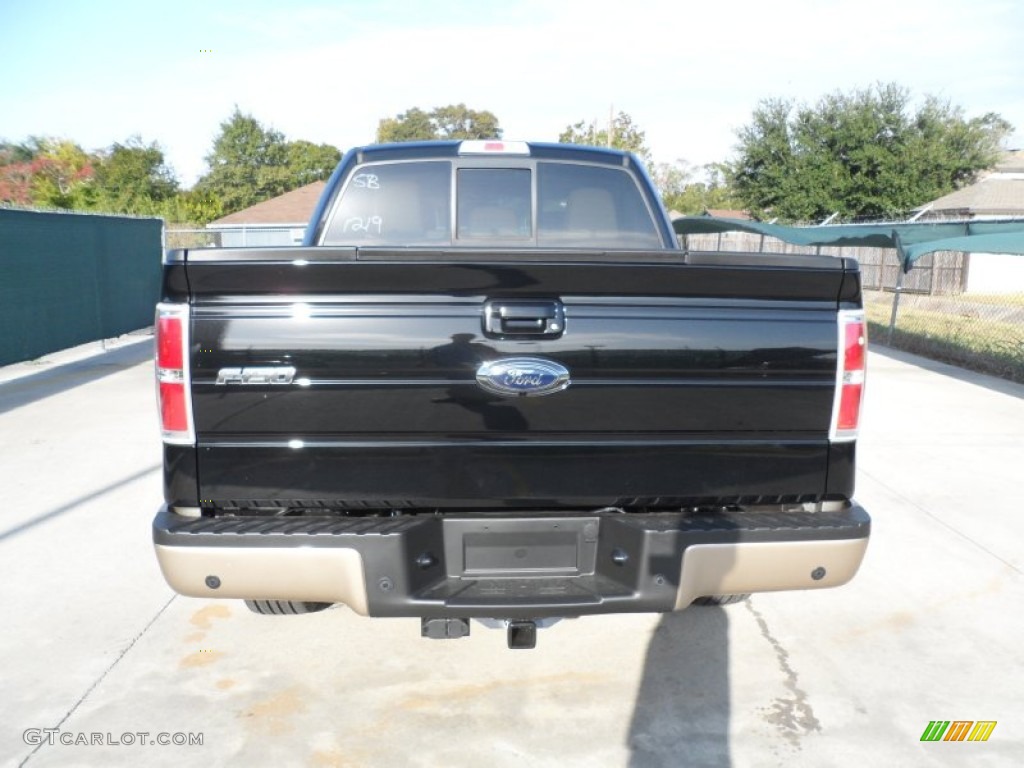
pixel 688 74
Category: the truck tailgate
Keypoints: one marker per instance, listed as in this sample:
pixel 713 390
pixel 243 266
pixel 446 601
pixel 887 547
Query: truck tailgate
pixel 688 380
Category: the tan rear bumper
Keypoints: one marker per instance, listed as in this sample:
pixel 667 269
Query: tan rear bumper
pixel 327 575
pixel 733 569
pixel 373 575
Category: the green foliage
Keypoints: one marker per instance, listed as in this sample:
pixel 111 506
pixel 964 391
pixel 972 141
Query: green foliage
pixel 15 153
pixel 455 121
pixel 247 163
pixel 193 207
pixel 953 329
pixel 250 163
pixel 57 173
pixel 133 178
pixel 683 193
pixel 624 135
pixel 61 175
pixel 309 162
pixel 414 125
pixel 861 154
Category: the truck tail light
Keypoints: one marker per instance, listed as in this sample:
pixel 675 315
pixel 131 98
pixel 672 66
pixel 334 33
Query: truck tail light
pixel 173 393
pixel 853 346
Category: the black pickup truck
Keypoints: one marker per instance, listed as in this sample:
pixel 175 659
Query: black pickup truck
pixel 491 385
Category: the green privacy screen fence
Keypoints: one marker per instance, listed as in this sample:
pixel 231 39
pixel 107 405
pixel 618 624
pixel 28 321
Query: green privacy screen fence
pixel 66 279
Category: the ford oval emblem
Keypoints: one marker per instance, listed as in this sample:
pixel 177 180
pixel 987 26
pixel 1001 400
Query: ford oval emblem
pixel 522 377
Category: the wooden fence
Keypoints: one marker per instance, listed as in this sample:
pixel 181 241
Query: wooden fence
pixel 942 273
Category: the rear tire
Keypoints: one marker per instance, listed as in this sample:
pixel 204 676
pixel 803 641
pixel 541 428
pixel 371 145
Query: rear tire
pixel 720 599
pixel 284 607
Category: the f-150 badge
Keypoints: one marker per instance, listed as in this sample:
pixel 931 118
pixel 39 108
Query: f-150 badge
pixel 522 377
pixel 275 374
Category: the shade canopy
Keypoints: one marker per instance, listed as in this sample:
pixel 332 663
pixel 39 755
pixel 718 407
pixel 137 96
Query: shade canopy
pixel 911 240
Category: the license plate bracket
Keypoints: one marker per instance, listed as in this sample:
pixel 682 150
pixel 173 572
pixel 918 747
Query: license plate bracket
pixel 541 547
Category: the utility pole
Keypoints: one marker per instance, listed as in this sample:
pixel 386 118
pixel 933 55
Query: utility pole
pixel 611 124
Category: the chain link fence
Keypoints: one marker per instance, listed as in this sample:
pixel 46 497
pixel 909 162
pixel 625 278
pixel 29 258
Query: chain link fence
pixel 232 237
pixel 964 309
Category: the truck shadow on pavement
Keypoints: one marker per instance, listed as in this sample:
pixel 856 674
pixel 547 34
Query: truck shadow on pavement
pixel 71 505
pixel 60 378
pixel 682 710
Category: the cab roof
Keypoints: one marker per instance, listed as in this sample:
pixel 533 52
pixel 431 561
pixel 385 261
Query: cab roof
pixel 498 147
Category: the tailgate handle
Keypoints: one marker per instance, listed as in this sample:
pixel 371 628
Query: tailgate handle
pixel 535 319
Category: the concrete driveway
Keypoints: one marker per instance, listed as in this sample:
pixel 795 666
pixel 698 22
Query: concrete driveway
pixel 93 643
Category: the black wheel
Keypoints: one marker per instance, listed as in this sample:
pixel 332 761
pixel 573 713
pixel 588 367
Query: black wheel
pixel 720 599
pixel 284 607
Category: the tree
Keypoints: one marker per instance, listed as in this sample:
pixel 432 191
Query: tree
pixel 61 174
pixel 625 135
pixel 192 207
pixel 413 125
pixel 861 154
pixel 15 174
pixel 11 153
pixel 133 178
pixel 247 164
pixel 455 121
pixel 682 192
pixel 250 164
pixel 58 173
pixel 309 162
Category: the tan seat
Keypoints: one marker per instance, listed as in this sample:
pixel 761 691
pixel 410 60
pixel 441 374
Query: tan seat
pixel 491 220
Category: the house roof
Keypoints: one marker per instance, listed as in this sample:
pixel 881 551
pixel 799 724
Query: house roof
pixel 1000 192
pixel 1011 162
pixel 992 195
pixel 290 209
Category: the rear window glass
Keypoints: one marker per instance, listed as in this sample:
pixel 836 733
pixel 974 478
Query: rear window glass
pixel 494 203
pixel 585 205
pixel 394 204
pixel 562 205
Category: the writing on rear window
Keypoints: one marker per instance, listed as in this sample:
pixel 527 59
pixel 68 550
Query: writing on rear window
pixel 366 181
pixel 394 204
pixel 370 224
